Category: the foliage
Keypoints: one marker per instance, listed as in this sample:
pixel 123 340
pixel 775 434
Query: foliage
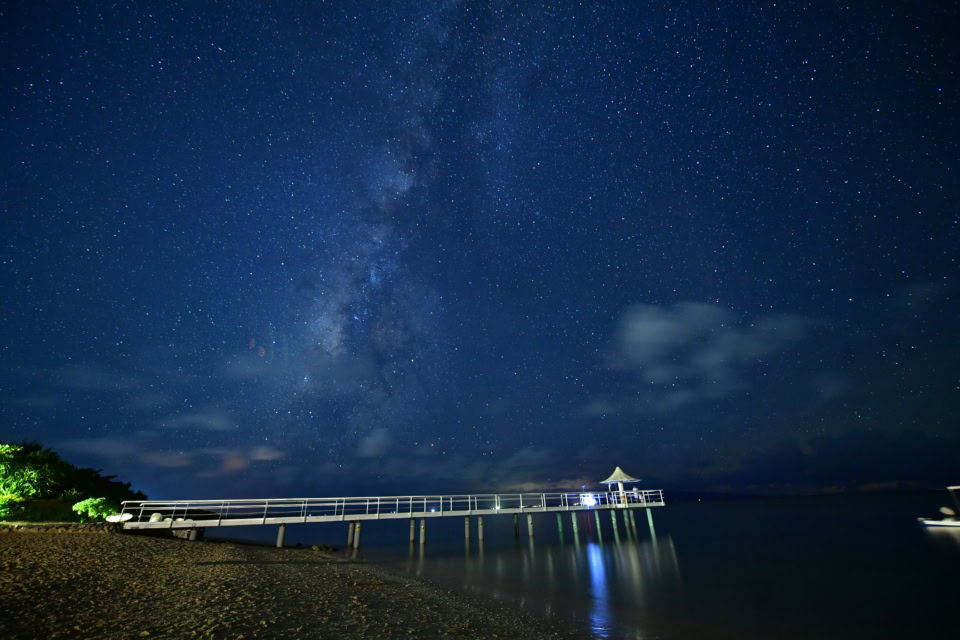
pixel 95 508
pixel 11 507
pixel 70 495
pixel 29 470
pixel 36 484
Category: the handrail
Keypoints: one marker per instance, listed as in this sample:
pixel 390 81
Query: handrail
pixel 259 511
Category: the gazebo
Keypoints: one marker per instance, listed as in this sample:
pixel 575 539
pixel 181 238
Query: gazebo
pixel 619 477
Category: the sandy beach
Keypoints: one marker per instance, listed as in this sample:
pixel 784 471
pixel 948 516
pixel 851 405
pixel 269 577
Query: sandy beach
pixel 83 585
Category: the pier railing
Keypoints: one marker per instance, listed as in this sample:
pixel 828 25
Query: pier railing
pixel 213 513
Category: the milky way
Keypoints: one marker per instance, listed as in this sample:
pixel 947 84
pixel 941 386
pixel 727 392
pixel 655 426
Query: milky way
pixel 482 245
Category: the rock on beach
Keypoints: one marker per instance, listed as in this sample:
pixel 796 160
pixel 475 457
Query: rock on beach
pixel 129 586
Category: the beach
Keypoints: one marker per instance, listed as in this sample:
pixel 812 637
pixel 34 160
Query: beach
pixel 115 585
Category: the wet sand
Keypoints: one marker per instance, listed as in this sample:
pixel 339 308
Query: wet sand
pixel 83 585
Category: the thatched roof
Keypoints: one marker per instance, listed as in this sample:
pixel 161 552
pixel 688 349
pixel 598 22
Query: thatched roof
pixel 619 476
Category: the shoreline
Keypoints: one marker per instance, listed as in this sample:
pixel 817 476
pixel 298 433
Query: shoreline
pixel 129 586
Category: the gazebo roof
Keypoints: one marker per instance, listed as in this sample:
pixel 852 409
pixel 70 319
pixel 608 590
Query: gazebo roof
pixel 619 476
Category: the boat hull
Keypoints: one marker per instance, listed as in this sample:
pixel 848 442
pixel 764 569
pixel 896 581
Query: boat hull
pixel 939 523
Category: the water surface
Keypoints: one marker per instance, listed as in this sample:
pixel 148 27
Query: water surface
pixel 839 566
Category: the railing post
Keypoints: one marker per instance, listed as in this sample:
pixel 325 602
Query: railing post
pixel 378 508
pixel 140 517
pixel 266 505
pixel 220 519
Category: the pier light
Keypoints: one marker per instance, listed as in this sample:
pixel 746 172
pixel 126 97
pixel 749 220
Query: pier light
pixel 588 500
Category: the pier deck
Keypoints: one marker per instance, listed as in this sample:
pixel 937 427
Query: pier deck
pixel 192 514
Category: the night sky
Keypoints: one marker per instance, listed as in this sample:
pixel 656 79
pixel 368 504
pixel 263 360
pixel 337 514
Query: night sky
pixel 286 249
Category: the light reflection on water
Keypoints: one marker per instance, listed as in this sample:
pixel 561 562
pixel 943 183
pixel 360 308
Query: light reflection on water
pixel 600 613
pixel 856 566
pixel 606 589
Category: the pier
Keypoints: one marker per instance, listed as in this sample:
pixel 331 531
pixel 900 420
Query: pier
pixel 355 511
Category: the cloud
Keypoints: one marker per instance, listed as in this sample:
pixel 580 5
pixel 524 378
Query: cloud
pixel 90 378
pixel 830 385
pixel 376 444
pixel 600 407
pixel 146 400
pixel 853 460
pixel 265 453
pixel 40 400
pixel 166 459
pixel 524 470
pixel 693 351
pixel 107 447
pixel 210 419
pixel 141 449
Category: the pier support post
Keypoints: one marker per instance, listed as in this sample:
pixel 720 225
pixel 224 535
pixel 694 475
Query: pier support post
pixel 192 536
pixel 281 533
pixel 413 530
pixel 596 516
pixel 350 535
pixel 633 523
pixel 626 522
pixel 560 526
pixel 356 535
pixel 516 526
pixel 613 519
pixel 530 524
pixel 573 522
pixel 466 527
pixel 423 531
pixel 653 532
pixel 480 528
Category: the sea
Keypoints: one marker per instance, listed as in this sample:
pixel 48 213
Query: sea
pixel 837 566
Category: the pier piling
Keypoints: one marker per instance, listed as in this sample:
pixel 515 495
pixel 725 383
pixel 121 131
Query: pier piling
pixel 530 524
pixel 466 528
pixel 573 523
pixel 480 529
pixel 281 533
pixel 356 535
pixel 423 531
pixel 599 530
pixel 516 526
pixel 350 535
pixel 413 530
pixel 653 532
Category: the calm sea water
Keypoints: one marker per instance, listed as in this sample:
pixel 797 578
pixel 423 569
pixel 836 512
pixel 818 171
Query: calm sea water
pixel 832 567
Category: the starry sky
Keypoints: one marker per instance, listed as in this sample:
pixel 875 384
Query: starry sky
pixel 346 248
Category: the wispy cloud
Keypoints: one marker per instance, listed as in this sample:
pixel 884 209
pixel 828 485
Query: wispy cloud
pixel 92 378
pixel 144 449
pixel 690 352
pixel 210 419
pixel 378 443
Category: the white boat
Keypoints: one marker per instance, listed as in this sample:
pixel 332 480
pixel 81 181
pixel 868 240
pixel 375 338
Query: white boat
pixel 951 519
